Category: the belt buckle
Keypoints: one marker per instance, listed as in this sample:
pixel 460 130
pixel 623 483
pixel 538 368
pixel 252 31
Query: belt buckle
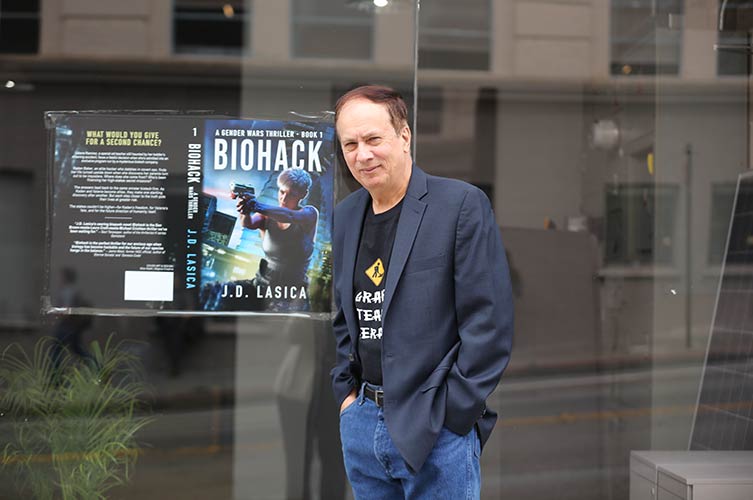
pixel 379 397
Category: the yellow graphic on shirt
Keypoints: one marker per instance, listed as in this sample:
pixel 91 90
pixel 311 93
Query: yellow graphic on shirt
pixel 375 272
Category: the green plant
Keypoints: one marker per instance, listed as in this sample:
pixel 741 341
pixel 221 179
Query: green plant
pixel 74 422
pixel 320 289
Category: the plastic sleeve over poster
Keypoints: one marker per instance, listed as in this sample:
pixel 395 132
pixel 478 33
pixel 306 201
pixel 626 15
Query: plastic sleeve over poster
pixel 185 213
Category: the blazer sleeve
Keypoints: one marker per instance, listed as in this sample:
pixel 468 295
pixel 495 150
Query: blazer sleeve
pixel 484 309
pixel 343 379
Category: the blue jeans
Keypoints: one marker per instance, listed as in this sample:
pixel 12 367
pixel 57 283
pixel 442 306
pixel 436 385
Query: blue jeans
pixel 376 470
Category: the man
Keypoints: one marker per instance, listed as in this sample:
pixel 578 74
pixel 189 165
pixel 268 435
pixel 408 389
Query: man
pixel 424 312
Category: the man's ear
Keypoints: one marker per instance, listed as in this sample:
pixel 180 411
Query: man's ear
pixel 405 135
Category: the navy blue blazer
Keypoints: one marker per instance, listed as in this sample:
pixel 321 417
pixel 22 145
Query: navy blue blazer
pixel 447 315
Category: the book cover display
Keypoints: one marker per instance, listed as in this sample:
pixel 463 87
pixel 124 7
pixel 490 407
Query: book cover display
pixel 189 213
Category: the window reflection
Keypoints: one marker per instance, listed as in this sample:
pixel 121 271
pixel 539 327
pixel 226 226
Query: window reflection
pixel 455 35
pixel 616 253
pixel 330 29
pixel 19 26
pixel 645 37
pixel 209 26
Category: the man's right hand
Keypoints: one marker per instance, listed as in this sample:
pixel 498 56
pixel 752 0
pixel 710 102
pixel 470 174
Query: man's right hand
pixel 349 400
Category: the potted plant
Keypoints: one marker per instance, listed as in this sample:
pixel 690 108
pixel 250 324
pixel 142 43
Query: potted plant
pixel 74 422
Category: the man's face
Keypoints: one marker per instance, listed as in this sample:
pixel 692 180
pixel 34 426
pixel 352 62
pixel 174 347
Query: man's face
pixel 377 155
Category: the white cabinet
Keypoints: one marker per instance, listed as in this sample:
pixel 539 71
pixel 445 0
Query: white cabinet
pixel 691 475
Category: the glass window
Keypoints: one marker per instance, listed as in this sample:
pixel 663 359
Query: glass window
pixel 642 42
pixel 454 35
pixel 735 22
pixel 732 58
pixel 333 30
pixel 639 224
pixel 722 202
pixel 430 106
pixel 722 199
pixel 614 280
pixel 19 26
pixel 209 26
pixel 17 302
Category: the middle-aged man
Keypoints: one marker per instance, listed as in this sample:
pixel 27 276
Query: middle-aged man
pixel 424 313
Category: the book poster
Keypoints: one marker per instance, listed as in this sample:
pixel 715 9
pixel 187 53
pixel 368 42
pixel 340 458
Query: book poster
pixel 186 213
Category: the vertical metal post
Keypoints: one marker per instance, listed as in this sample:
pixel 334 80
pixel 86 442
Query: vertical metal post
pixel 416 10
pixel 688 247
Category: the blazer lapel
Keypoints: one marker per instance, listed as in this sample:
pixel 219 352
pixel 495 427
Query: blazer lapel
pixel 350 254
pixel 407 228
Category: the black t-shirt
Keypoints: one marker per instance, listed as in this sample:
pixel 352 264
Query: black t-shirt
pixel 377 237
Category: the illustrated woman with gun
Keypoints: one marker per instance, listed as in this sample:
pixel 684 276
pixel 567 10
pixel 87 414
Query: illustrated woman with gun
pixel 287 233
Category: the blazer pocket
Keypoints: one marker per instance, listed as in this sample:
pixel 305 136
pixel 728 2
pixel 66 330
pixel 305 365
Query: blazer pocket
pixel 416 265
pixel 436 378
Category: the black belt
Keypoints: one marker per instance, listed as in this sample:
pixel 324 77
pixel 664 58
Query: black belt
pixel 376 395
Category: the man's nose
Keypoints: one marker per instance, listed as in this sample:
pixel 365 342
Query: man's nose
pixel 364 153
